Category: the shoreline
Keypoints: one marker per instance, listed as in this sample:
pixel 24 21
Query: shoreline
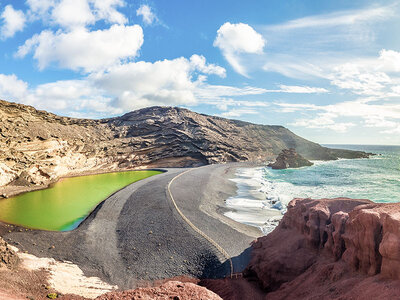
pixel 91 211
pixel 15 190
pixel 139 217
pixel 253 204
pixel 230 189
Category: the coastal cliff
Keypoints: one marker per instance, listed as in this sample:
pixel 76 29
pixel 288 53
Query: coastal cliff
pixel 330 249
pixel 324 249
pixel 37 147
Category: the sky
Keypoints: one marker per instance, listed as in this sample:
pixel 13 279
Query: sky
pixel 327 70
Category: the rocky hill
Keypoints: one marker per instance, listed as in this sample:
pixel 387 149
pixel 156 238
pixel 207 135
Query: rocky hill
pixel 37 147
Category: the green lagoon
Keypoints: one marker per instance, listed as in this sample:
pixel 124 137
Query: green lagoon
pixel 64 205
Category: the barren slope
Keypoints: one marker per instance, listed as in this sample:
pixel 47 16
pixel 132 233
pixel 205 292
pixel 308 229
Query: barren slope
pixel 37 147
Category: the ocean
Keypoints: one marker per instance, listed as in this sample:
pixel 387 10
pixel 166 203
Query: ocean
pixel 263 193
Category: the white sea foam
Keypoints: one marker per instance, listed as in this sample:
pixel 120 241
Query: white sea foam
pixel 263 193
pixel 255 203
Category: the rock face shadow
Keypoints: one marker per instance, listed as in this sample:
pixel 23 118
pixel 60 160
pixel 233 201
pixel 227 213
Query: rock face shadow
pixel 241 261
pixel 213 269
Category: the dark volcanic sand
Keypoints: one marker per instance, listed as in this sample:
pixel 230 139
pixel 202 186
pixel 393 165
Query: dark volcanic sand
pixel 136 235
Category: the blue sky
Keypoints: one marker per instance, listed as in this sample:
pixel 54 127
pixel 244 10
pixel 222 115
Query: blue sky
pixel 327 70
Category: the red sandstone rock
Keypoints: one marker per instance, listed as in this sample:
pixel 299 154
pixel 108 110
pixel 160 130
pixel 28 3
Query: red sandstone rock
pixel 373 239
pixel 304 232
pixel 331 249
pixel 234 289
pixel 170 290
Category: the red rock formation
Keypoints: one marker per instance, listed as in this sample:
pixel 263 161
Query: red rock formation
pixel 331 249
pixel 169 290
pixel 373 240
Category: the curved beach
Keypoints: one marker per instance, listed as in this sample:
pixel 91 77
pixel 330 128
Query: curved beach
pixel 137 234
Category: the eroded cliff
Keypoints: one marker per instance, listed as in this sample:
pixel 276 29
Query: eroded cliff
pixel 37 147
pixel 331 249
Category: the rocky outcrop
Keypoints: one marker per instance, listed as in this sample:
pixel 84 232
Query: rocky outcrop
pixel 8 258
pixel 37 148
pixel 169 290
pixel 289 158
pixel 372 240
pixel 331 249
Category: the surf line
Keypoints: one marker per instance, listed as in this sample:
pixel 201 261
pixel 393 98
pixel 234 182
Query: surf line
pixel 210 240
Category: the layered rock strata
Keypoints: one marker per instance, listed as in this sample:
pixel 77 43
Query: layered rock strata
pixel 37 147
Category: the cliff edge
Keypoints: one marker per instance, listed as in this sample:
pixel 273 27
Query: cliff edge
pixel 331 249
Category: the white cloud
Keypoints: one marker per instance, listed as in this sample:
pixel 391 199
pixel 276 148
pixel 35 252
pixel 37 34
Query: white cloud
pixel 83 49
pixel 210 92
pixel 373 76
pixel 239 38
pixel 359 80
pixel 375 114
pixel 324 121
pixel 199 63
pixel 147 14
pixel 12 88
pixel 77 98
pixel 292 67
pixel 166 82
pixel 129 86
pixel 226 104
pixel 379 121
pixel 294 107
pixel 310 47
pixel 72 14
pixel 301 89
pixel 234 113
pixel 107 10
pixel 377 76
pixel 39 7
pixel 235 39
pixel 216 91
pixel 394 130
pixel 389 60
pixel 12 22
pixel 336 19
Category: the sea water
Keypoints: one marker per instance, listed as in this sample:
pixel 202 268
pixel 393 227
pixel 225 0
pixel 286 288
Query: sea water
pixel 263 193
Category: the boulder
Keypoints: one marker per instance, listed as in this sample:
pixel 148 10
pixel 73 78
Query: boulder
pixel 289 158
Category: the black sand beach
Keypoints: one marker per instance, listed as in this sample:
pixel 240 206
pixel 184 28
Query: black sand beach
pixel 136 235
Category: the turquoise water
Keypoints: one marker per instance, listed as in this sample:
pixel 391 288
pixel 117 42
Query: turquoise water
pixel 263 193
pixel 376 178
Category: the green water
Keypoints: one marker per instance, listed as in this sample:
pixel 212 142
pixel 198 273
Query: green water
pixel 64 205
